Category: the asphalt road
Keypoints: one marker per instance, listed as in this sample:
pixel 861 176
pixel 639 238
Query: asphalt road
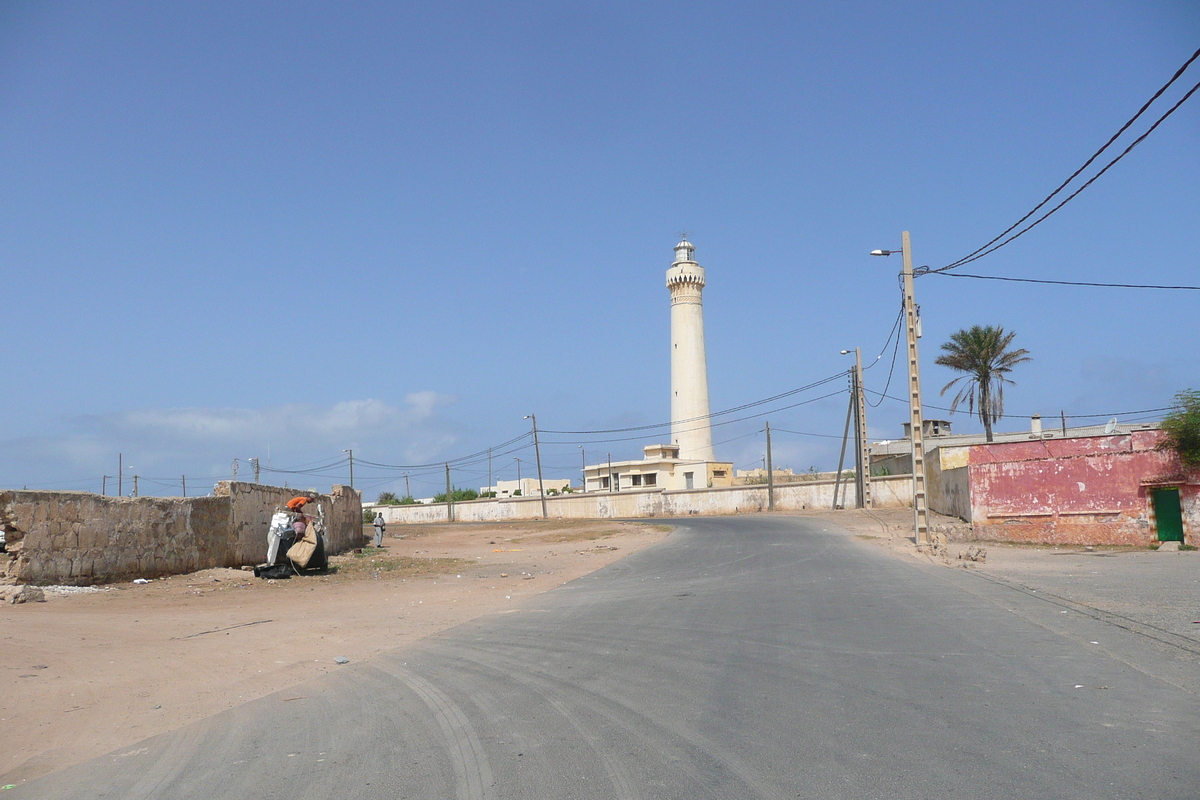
pixel 744 657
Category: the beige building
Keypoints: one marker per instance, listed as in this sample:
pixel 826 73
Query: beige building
pixel 660 468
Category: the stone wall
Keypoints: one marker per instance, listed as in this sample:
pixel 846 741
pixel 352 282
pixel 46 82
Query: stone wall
pixel 81 538
pixel 888 492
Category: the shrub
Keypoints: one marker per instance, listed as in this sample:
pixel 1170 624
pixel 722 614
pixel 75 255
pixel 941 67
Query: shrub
pixel 1182 427
pixel 388 499
pixel 457 495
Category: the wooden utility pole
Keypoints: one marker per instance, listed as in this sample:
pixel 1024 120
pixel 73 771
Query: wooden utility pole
pixel 120 474
pixel 135 477
pixel 770 473
pixel 449 496
pixel 104 486
pixel 351 452
pixel 183 483
pixel 407 491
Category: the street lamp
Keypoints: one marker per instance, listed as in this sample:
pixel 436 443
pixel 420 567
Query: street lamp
pixel 915 418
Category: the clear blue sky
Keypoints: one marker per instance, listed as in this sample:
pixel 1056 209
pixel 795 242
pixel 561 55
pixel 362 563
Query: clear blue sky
pixel 281 230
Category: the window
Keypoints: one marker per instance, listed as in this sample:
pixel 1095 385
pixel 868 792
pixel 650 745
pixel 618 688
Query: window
pixel 635 480
pixel 690 479
pixel 604 483
pixel 718 473
pixel 651 480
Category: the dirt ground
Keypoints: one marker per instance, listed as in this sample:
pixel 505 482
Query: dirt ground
pixel 86 673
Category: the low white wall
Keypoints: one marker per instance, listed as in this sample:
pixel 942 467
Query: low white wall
pixel 888 492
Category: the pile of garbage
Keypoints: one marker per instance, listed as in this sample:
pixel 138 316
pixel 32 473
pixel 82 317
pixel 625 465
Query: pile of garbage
pixel 296 541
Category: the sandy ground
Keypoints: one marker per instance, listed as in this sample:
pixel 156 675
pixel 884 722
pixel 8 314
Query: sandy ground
pixel 85 674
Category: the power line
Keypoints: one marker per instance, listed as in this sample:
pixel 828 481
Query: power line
pixel 802 433
pixel 742 407
pixel 1060 283
pixel 992 246
pixel 1027 416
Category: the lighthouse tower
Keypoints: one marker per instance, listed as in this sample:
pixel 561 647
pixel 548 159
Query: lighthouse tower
pixel 691 428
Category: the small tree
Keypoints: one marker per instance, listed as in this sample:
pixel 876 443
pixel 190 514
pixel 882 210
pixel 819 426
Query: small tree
pixel 388 499
pixel 407 500
pixel 1182 427
pixel 981 353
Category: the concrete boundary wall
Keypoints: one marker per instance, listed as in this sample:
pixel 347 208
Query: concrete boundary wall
pixel 79 538
pixel 889 492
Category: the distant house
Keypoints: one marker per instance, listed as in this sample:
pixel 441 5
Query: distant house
pixel 660 468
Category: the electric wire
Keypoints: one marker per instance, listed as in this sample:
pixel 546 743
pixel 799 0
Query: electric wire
pixel 1061 283
pixel 989 248
pixel 735 409
pixel 1027 416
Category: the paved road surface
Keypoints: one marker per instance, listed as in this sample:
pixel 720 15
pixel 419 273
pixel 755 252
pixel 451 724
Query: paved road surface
pixel 746 657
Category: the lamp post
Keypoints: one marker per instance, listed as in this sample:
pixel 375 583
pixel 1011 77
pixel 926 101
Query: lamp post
pixel 862 456
pixel 915 418
pixel 538 454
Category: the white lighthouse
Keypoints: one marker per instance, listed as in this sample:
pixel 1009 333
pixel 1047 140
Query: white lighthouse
pixel 691 428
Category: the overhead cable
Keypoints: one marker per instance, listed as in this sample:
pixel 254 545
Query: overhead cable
pixel 996 243
pixel 1060 283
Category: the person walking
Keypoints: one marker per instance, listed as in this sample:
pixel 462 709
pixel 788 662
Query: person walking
pixel 379 526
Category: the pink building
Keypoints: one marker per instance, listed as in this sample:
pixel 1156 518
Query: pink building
pixel 1118 489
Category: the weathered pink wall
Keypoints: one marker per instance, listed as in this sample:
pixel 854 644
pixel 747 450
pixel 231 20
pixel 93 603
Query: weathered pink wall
pixel 1088 490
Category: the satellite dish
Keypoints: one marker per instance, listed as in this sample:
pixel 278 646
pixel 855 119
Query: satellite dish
pixel 1111 427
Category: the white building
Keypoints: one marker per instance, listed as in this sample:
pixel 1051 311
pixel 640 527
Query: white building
pixel 660 468
pixel 528 487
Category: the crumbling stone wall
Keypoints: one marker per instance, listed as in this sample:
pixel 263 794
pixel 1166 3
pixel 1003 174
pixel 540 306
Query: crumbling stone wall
pixel 81 538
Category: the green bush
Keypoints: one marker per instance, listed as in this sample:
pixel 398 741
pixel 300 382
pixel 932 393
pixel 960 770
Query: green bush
pixel 388 499
pixel 368 515
pixel 1182 427
pixel 407 500
pixel 457 495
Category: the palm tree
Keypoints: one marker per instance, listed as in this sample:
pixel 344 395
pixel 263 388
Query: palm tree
pixel 981 353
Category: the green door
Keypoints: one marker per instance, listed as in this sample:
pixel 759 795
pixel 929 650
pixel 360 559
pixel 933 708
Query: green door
pixel 1168 515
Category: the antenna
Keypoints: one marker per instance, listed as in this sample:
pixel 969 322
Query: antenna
pixel 683 235
pixel 1111 427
